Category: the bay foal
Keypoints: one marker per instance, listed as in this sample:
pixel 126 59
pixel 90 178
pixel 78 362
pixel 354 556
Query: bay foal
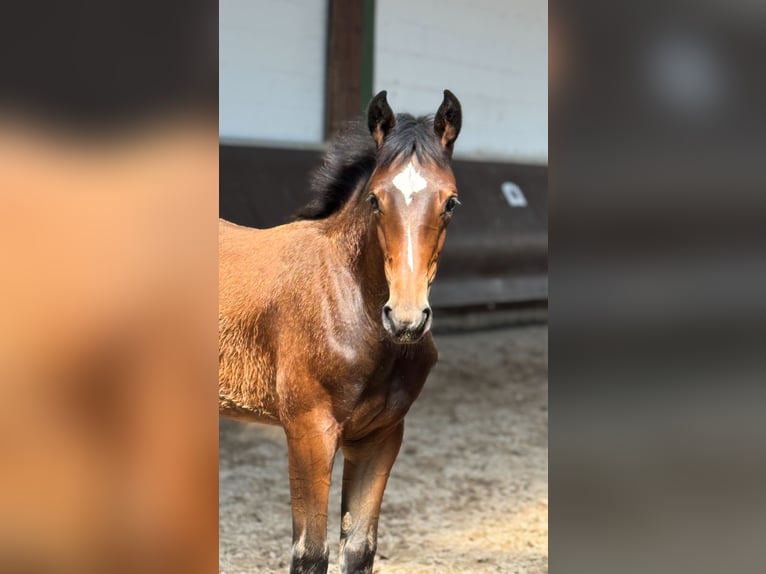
pixel 324 322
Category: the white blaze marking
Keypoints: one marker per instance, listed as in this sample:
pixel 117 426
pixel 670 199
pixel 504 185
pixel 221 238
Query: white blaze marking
pixel 409 249
pixel 409 182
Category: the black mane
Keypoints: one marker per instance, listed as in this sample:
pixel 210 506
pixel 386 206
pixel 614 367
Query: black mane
pixel 351 159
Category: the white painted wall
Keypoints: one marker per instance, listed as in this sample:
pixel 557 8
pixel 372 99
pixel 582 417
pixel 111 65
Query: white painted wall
pixel 493 54
pixel 272 70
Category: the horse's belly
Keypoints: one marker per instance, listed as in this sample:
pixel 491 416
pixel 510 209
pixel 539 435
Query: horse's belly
pixel 247 394
pixel 246 375
pixel 229 409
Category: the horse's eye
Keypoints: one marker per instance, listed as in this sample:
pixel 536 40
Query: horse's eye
pixel 374 202
pixel 449 207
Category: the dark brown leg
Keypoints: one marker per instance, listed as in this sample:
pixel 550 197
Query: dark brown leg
pixel 365 473
pixel 311 444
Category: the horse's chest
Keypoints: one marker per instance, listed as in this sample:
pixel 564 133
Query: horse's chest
pixel 383 404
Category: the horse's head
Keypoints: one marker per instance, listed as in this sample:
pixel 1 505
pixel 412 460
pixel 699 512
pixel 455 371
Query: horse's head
pixel 412 193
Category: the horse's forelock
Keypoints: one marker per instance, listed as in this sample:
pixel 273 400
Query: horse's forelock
pixel 352 157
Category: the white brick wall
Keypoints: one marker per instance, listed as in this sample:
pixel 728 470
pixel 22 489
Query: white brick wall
pixel 272 70
pixel 493 54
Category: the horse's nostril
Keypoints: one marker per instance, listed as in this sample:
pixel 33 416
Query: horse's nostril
pixel 387 311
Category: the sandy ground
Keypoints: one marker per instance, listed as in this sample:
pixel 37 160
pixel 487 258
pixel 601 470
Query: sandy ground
pixel 468 493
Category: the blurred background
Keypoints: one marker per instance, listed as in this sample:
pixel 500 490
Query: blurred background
pixel 469 490
pixel 657 306
pixel 108 287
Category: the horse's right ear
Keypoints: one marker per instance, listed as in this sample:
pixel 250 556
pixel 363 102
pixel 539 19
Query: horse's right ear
pixel 380 118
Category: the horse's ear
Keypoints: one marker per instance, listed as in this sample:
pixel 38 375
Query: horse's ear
pixel 380 118
pixel 447 121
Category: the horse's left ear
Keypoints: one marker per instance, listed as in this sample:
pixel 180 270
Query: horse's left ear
pixel 447 121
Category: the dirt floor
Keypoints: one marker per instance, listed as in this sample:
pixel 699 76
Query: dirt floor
pixel 468 493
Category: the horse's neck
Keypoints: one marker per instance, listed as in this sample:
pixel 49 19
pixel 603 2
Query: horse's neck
pixel 355 239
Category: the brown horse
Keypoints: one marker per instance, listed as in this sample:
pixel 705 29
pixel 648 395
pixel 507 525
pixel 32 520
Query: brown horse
pixel 324 322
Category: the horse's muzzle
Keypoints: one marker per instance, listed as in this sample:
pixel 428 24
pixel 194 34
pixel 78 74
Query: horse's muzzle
pixel 407 327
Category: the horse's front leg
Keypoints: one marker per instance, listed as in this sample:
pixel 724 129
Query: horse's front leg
pixel 365 473
pixel 312 441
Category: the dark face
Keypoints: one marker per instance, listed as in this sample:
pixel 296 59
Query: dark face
pixel 413 205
